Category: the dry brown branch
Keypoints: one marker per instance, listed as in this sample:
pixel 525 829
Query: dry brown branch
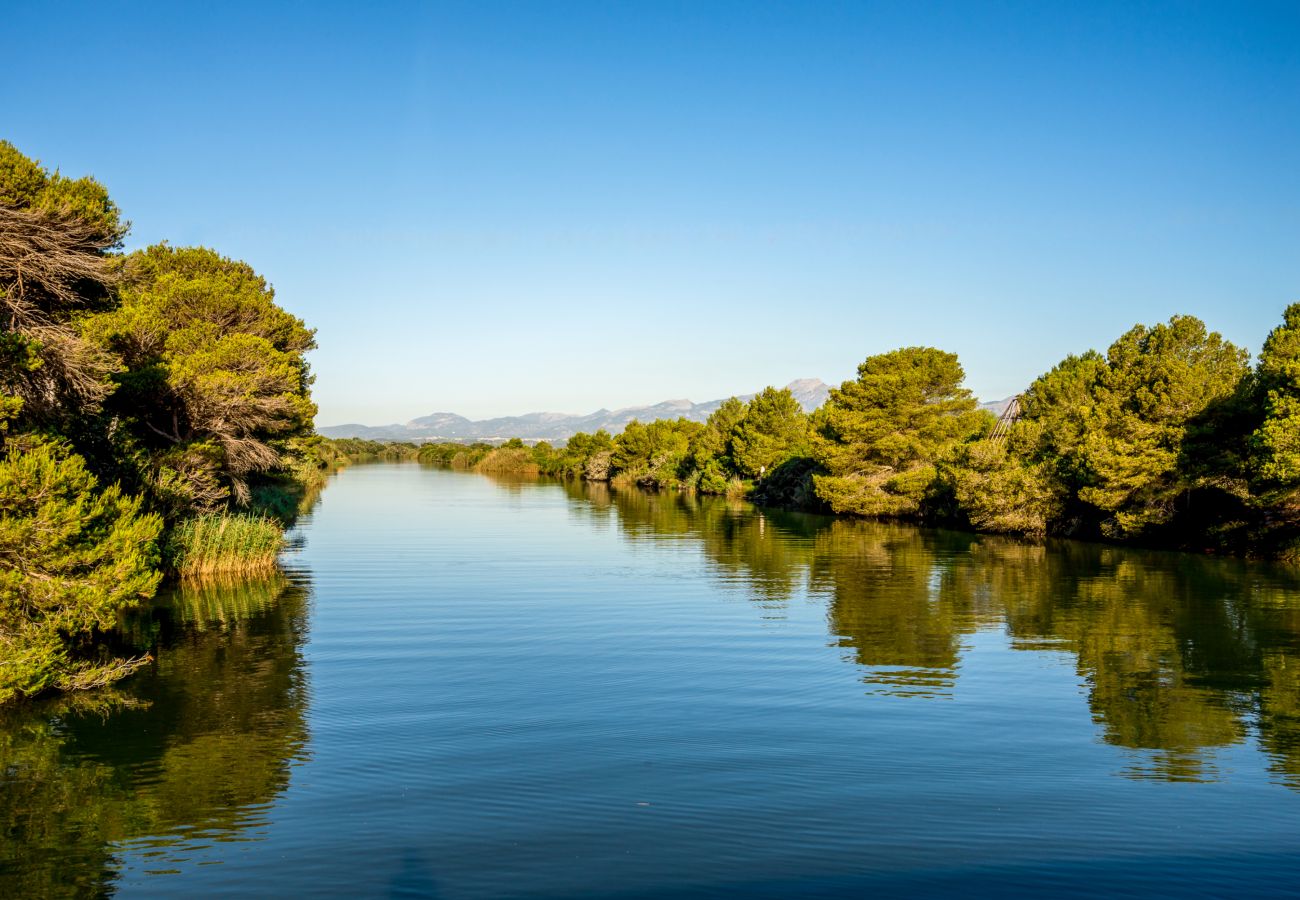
pixel 47 257
pixel 93 676
pixel 50 267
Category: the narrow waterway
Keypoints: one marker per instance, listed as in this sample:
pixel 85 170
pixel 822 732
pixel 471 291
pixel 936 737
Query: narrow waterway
pixel 467 688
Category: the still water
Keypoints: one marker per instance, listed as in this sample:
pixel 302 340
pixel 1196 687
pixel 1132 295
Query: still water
pixel 469 688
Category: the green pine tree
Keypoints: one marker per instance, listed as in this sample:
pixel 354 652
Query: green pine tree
pixel 72 557
pixel 882 437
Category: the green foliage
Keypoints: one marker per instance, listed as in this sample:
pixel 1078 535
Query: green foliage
pixel 289 494
pixel 21 179
pixel 713 445
pixel 185 479
pixel 1156 382
pixel 72 554
pixel 1000 492
pixel 712 478
pixel 1056 415
pixel 579 450
pixel 456 456
pixel 1117 445
pixel 633 448
pixel 1161 439
pixel 54 234
pixel 216 380
pixel 584 445
pixel 791 485
pixel 25 185
pixel 773 429
pixel 1276 443
pixel 72 557
pixel 654 454
pixel 18 359
pixel 882 437
pixel 171 374
pixel 332 452
pixel 1042 466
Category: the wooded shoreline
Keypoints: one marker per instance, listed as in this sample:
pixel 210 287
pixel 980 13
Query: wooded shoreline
pixel 156 421
pixel 1168 439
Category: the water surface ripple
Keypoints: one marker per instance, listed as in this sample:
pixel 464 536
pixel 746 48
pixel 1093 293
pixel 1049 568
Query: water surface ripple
pixel 470 688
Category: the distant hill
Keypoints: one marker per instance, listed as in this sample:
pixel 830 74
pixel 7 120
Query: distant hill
pixel 548 426
pixel 997 407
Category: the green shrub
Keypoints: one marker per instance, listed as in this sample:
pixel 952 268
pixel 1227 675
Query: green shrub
pixel 72 557
pixel 712 478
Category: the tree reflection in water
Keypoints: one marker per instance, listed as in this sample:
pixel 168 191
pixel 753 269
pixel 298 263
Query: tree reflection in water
pixel 192 750
pixel 1181 655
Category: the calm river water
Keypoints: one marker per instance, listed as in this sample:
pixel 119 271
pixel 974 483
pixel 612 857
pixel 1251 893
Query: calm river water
pixel 471 688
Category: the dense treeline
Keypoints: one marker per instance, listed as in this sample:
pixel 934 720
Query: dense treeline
pixel 1168 438
pixel 333 452
pixel 154 413
pixel 738 444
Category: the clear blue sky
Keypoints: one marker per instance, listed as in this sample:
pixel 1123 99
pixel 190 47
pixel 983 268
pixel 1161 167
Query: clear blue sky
pixel 494 208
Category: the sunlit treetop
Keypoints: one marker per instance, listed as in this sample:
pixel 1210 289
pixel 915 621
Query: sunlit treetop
pixel 26 185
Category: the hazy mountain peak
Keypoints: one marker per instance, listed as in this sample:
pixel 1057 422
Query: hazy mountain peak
pixel 806 384
pixel 545 426
pixel 549 426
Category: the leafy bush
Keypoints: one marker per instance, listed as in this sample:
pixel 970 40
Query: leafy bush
pixel 72 557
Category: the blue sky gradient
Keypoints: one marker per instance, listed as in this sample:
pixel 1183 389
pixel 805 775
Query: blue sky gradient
pixel 493 208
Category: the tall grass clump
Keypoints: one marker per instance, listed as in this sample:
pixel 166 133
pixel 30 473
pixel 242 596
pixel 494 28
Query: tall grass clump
pixel 736 489
pixel 224 544
pixel 508 461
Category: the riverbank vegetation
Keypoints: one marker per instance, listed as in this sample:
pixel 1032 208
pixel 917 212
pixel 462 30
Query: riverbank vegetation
pixel 330 453
pixel 155 417
pixel 1169 438
pixel 224 544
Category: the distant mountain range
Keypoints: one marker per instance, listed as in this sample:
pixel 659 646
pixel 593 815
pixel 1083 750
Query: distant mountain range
pixel 546 426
